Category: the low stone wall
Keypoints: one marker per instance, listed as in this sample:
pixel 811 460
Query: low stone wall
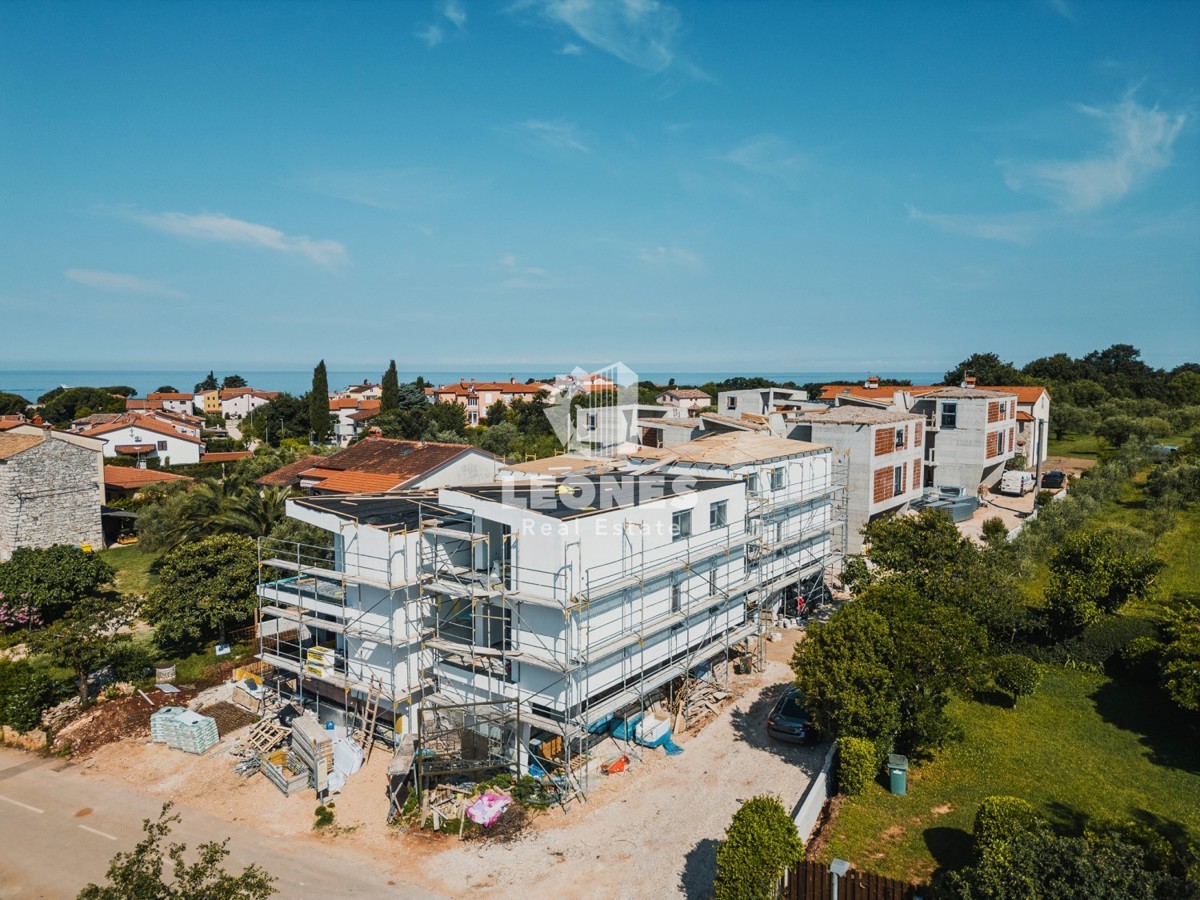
pixel 28 740
pixel 808 810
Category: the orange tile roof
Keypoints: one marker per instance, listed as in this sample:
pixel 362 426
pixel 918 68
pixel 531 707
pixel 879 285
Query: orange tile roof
pixel 135 449
pixel 230 393
pixel 129 478
pixel 230 456
pixel 463 388
pixel 352 403
pixel 167 395
pixel 357 482
pixel 286 476
pixel 12 444
pixel 1023 416
pixel 1028 393
pixel 139 421
pixel 133 403
pixel 7 422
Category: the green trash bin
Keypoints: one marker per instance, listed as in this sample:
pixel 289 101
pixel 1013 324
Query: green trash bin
pixel 897 767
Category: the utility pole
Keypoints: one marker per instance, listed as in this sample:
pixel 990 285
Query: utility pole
pixel 1037 472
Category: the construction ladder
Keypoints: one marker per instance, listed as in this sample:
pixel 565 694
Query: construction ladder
pixel 372 715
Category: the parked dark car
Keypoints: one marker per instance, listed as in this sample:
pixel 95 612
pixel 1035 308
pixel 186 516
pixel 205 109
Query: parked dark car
pixel 790 720
pixel 1054 480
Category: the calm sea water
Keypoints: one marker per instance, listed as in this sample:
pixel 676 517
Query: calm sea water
pixel 32 383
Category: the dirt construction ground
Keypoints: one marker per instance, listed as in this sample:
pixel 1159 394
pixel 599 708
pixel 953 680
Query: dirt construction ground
pixel 649 832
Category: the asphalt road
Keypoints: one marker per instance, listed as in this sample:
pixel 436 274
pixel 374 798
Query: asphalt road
pixel 59 828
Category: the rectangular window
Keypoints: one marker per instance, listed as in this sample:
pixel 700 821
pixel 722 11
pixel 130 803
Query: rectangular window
pixel 712 581
pixel 474 418
pixel 676 597
pixel 752 483
pixel 591 420
pixel 731 402
pixel 717 514
pixel 777 479
pixel 778 532
pixel 162 445
pixel 899 438
pixel 898 481
pixel 949 414
pixel 681 524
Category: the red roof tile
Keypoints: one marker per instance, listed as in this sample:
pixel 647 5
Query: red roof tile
pixel 140 421
pixel 357 483
pixel 289 475
pixel 129 478
pixel 230 456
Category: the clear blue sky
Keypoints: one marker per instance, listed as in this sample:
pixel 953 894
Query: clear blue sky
pixel 734 185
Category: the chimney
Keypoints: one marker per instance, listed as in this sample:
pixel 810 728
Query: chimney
pixel 872 382
pixel 969 381
pixel 375 431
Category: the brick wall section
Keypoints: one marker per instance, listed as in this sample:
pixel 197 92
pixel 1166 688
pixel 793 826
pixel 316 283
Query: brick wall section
pixel 916 473
pixel 993 412
pixel 885 440
pixel 49 494
pixel 993 444
pixel 1012 438
pixel 918 428
pixel 883 485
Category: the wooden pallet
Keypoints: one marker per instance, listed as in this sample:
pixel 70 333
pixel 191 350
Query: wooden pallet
pixel 266 736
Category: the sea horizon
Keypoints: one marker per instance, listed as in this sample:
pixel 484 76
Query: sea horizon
pixel 32 383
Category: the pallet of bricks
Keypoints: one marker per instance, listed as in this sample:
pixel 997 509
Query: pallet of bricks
pixel 313 747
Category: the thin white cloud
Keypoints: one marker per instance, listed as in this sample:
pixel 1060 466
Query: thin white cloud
pixel 643 33
pixel 1063 8
pixel 767 154
pixel 1139 145
pixel 679 257
pixel 1017 228
pixel 220 228
pixel 557 134
pixel 456 13
pixel 119 283
pixel 517 276
pixel 430 36
pixel 569 49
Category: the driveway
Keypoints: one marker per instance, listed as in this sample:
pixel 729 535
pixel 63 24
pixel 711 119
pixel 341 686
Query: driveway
pixel 59 829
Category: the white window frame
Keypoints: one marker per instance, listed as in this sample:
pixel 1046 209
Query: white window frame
pixel 718 514
pixel 681 524
pixel 897 481
pixel 900 437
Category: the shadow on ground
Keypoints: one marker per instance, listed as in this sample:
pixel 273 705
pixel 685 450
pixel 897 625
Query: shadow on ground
pixel 951 848
pixel 1170 738
pixel 750 726
pixel 699 870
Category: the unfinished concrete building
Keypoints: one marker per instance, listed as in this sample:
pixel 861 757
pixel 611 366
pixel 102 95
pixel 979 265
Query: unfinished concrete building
pixel 554 605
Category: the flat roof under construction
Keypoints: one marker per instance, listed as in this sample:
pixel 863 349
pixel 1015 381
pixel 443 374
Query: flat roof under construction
pixel 391 512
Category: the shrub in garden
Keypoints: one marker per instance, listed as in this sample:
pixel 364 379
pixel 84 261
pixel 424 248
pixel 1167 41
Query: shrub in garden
pixel 1016 675
pixel 858 764
pixel 760 845
pixel 997 820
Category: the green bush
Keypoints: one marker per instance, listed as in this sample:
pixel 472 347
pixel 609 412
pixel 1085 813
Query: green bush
pixel 26 692
pixel 324 816
pixel 760 845
pixel 994 531
pixel 857 764
pixel 997 820
pixel 1016 675
pixel 130 660
pixel 1101 641
pixel 1141 659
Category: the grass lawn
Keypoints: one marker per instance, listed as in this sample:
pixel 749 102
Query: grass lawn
pixel 1082 446
pixel 133 568
pixel 1084 745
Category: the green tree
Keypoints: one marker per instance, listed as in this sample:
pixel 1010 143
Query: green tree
pixel 286 416
pixel 1181 657
pixel 203 588
pixel 997 820
pixel 858 763
pixel 141 873
pixel 844 669
pixel 208 384
pixel 12 404
pixel 26 692
pixel 85 637
pixel 233 381
pixel 389 400
pixel 445 418
pixel 166 389
pixel 499 439
pixel 55 578
pixel 68 405
pixel 1066 418
pixel 121 390
pixel 497 414
pixel 987 368
pixel 174 514
pixel 995 532
pixel 319 417
pixel 760 845
pixel 252 511
pixel 1016 675
pixel 412 397
pixel 1097 572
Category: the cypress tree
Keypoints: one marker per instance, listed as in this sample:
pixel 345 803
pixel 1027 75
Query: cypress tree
pixel 318 399
pixel 390 399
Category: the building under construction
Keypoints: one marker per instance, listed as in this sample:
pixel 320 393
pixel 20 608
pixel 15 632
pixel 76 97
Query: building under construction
pixel 507 625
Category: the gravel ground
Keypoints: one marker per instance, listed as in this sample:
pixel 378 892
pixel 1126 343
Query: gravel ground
pixel 653 831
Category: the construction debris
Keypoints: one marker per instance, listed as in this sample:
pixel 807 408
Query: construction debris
pixel 229 718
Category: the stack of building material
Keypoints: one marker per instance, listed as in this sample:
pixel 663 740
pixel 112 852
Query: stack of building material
pixel 313 746
pixel 159 720
pixel 184 730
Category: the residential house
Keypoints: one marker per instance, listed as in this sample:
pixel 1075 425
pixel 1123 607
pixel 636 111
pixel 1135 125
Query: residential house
pixel 377 464
pixel 682 402
pixel 477 396
pixel 884 453
pixel 289 475
pixel 146 437
pixel 1033 419
pixel 970 434
pixel 238 403
pixel 759 401
pixel 128 482
pixel 180 403
pixel 351 415
pixel 364 391
pixel 51 489
pixel 207 403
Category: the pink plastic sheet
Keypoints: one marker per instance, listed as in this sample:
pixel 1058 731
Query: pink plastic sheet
pixel 487 808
